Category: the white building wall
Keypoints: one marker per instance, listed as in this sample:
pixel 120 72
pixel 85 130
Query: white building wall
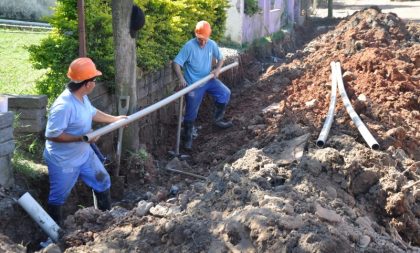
pixel 234 21
pixel 274 14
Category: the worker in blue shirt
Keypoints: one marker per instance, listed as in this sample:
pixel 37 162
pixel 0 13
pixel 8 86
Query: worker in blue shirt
pixel 196 58
pixel 67 156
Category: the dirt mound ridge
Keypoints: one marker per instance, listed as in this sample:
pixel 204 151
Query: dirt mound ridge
pixel 380 58
pixel 339 199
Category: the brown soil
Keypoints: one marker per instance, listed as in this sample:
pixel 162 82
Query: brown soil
pixel 269 188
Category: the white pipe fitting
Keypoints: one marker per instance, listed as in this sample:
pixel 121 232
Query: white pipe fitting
pixel 39 215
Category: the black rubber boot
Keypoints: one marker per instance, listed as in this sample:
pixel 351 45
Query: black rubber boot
pixel 188 134
pixel 102 200
pixel 219 113
pixel 56 213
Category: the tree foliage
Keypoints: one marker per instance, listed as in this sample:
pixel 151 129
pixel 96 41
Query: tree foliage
pixel 251 7
pixel 169 24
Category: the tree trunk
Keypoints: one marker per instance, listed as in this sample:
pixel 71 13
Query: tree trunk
pixel 125 66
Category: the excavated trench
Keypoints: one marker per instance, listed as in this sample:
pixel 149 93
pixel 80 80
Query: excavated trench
pixel 269 188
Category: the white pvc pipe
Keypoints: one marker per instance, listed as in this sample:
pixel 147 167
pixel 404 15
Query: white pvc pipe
pixel 330 115
pixel 3 103
pixel 39 215
pixel 140 114
pixel 370 140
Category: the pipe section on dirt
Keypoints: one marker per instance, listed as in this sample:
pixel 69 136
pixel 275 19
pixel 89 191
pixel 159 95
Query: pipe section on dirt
pixel 370 140
pixel 142 113
pixel 39 215
pixel 186 173
pixel 330 115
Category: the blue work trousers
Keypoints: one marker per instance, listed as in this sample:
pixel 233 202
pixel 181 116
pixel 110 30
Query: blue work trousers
pixel 63 179
pixel 219 92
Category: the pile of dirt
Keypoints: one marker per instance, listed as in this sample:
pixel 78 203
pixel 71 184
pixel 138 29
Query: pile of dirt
pixel 338 199
pixel 380 59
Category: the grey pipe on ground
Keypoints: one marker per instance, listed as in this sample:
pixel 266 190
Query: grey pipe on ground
pixel 370 140
pixel 320 142
pixel 142 113
pixel 186 173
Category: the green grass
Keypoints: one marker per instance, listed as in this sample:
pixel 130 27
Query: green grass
pixel 27 157
pixel 17 76
pixel 26 166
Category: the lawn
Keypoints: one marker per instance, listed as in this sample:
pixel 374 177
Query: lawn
pixel 17 76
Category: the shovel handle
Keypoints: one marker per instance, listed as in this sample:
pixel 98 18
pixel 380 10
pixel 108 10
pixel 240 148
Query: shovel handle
pixel 123 109
pixel 178 130
pixel 123 106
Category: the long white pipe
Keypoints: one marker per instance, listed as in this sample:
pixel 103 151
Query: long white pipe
pixel 370 140
pixel 330 115
pixel 133 117
pixel 39 215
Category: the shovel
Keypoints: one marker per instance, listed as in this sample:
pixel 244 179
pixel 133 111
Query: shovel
pixel 118 181
pixel 175 153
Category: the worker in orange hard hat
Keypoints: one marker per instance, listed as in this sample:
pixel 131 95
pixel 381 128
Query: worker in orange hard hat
pixel 195 58
pixel 67 156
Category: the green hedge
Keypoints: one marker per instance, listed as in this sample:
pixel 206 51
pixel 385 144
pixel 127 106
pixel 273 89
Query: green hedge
pixel 169 24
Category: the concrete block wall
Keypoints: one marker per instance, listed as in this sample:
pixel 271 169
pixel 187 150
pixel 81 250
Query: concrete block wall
pixel 31 112
pixel 7 145
pixel 106 102
pixel 151 88
pixel 102 99
pixel 159 127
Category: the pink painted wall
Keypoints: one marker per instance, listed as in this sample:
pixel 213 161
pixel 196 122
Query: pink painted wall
pixel 274 15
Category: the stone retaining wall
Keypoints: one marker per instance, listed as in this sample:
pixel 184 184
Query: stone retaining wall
pixel 106 102
pixel 157 130
pixel 7 145
pixel 31 113
pixel 151 88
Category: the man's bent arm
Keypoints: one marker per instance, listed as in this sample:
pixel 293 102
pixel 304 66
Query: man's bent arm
pixel 102 117
pixel 64 137
pixel 182 82
pixel 219 65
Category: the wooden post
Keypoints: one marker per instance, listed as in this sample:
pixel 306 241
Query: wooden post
pixel 81 25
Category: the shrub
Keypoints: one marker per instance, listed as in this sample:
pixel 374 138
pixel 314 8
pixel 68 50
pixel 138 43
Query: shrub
pixel 251 7
pixel 169 24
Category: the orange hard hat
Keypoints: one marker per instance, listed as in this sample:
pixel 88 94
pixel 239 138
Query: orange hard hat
pixel 82 69
pixel 203 30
